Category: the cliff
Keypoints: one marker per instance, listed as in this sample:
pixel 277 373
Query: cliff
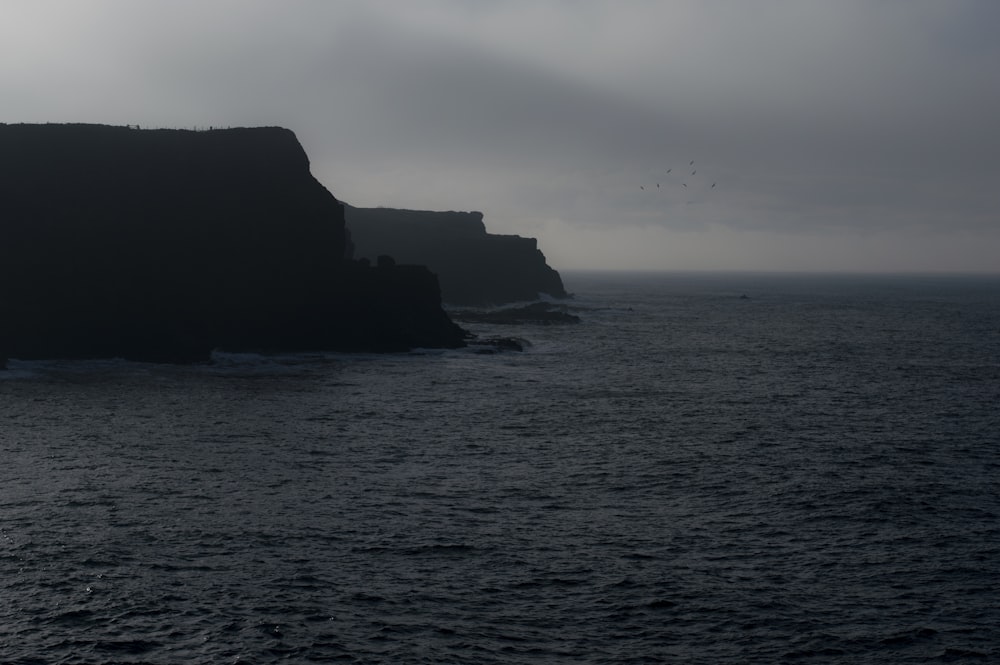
pixel 474 267
pixel 166 244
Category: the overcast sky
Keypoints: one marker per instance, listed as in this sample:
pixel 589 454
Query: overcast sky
pixel 840 134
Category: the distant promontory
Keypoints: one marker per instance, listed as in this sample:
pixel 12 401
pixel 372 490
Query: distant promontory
pixel 166 244
pixel 474 267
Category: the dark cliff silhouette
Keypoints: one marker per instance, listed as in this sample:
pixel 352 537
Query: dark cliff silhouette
pixel 474 267
pixel 165 244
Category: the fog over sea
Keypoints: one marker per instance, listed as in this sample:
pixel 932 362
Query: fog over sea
pixel 808 474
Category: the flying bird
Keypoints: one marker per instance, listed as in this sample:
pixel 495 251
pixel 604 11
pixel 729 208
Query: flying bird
pixel 713 186
pixel 692 163
pixel 669 170
pixel 642 188
pixel 693 172
pixel 685 184
pixel 657 185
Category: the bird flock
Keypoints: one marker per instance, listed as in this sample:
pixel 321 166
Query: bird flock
pixel 683 178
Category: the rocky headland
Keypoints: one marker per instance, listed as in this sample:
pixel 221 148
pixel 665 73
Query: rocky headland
pixel 163 245
pixel 475 268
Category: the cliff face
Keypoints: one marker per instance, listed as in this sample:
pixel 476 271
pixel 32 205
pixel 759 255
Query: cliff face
pixel 164 244
pixel 473 266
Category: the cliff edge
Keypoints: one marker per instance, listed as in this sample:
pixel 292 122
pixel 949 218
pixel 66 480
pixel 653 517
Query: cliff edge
pixel 166 244
pixel 474 267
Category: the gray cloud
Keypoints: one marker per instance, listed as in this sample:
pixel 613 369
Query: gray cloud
pixel 817 120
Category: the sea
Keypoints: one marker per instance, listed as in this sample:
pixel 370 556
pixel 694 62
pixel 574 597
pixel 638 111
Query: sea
pixel 707 468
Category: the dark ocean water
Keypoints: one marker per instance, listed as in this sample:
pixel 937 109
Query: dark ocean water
pixel 810 474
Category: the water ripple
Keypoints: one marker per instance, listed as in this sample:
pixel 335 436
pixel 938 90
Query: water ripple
pixel 806 476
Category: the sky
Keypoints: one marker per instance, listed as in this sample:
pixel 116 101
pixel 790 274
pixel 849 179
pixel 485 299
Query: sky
pixel 840 135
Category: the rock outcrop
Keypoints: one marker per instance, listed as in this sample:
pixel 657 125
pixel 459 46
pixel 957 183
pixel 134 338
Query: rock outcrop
pixel 165 244
pixel 474 267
